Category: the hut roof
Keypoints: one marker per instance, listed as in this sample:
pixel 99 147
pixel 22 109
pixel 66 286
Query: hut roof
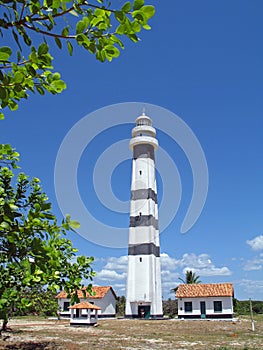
pixel 85 305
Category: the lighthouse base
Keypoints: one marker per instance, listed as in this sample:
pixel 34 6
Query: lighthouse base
pixel 141 310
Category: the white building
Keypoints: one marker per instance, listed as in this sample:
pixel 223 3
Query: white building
pixel 205 300
pixel 143 289
pixel 104 297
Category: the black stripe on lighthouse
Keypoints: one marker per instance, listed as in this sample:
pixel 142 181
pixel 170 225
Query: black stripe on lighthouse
pixel 144 194
pixel 144 249
pixel 144 220
pixel 143 151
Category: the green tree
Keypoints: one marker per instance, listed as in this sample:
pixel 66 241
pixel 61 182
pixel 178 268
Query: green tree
pixel 34 248
pixel 120 306
pixel 41 301
pixel 170 307
pixel 190 278
pixel 97 27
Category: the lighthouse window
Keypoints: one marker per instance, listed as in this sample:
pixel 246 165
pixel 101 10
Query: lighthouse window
pixel 140 259
pixel 140 172
pixel 140 214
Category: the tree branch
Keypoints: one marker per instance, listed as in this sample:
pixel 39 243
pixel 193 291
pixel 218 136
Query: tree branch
pixel 44 18
pixel 37 30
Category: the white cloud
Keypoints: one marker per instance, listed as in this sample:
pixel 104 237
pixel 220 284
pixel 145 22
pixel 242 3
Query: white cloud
pixel 254 264
pixel 251 286
pixel 110 275
pixel 256 243
pixel 119 264
pixel 202 265
pixel 168 262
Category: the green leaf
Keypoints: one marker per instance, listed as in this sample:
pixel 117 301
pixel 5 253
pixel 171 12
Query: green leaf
pixel 42 49
pixel 40 90
pixel 2 116
pixel 148 11
pixel 147 27
pixel 5 53
pixel 16 39
pixel 58 42
pixel 4 225
pixel 126 7
pixel 138 4
pixel 27 39
pixel 136 27
pixel 18 77
pixel 31 70
pixel 82 39
pixel 56 4
pixel 65 31
pixel 59 85
pixel 119 16
pixel 121 29
pixel 80 27
pixel 74 224
pixel 3 93
pixel 139 16
pixel 12 105
pixel 112 51
pixel 70 47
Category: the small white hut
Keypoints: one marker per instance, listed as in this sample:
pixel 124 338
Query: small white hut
pixel 86 314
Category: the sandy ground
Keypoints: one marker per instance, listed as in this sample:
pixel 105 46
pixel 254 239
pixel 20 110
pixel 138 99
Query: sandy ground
pixel 38 334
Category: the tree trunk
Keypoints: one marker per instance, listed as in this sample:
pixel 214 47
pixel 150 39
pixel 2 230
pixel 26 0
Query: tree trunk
pixel 4 327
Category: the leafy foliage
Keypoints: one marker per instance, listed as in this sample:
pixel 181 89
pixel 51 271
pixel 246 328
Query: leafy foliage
pixel 242 307
pixel 120 306
pixel 170 308
pixel 42 302
pixel 34 248
pixel 96 27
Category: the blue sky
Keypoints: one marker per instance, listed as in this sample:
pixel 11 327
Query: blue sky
pixel 202 61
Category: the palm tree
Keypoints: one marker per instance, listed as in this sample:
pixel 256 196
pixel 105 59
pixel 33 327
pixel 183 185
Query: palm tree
pixel 190 278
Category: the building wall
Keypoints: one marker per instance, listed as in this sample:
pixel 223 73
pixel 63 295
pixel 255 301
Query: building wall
pixel 107 305
pixel 227 307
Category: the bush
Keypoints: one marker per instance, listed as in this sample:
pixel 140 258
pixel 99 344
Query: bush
pixel 170 308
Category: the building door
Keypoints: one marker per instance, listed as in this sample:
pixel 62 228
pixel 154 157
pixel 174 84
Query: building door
pixel 144 311
pixel 203 309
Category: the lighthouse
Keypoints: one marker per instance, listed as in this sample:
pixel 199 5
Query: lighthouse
pixel 143 289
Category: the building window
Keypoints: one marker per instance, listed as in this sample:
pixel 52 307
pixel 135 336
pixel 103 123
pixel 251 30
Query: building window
pixel 188 306
pixel 217 306
pixel 66 305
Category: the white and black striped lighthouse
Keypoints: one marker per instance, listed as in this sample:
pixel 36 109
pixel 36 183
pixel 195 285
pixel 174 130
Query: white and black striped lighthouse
pixel 143 289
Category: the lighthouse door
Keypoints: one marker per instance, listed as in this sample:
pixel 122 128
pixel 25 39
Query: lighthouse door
pixel 144 311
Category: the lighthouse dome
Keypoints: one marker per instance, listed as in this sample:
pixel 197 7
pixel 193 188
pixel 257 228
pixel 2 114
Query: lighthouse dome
pixel 143 120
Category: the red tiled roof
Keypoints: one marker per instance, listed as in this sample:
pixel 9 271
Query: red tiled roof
pixel 205 290
pixel 85 305
pixel 99 293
